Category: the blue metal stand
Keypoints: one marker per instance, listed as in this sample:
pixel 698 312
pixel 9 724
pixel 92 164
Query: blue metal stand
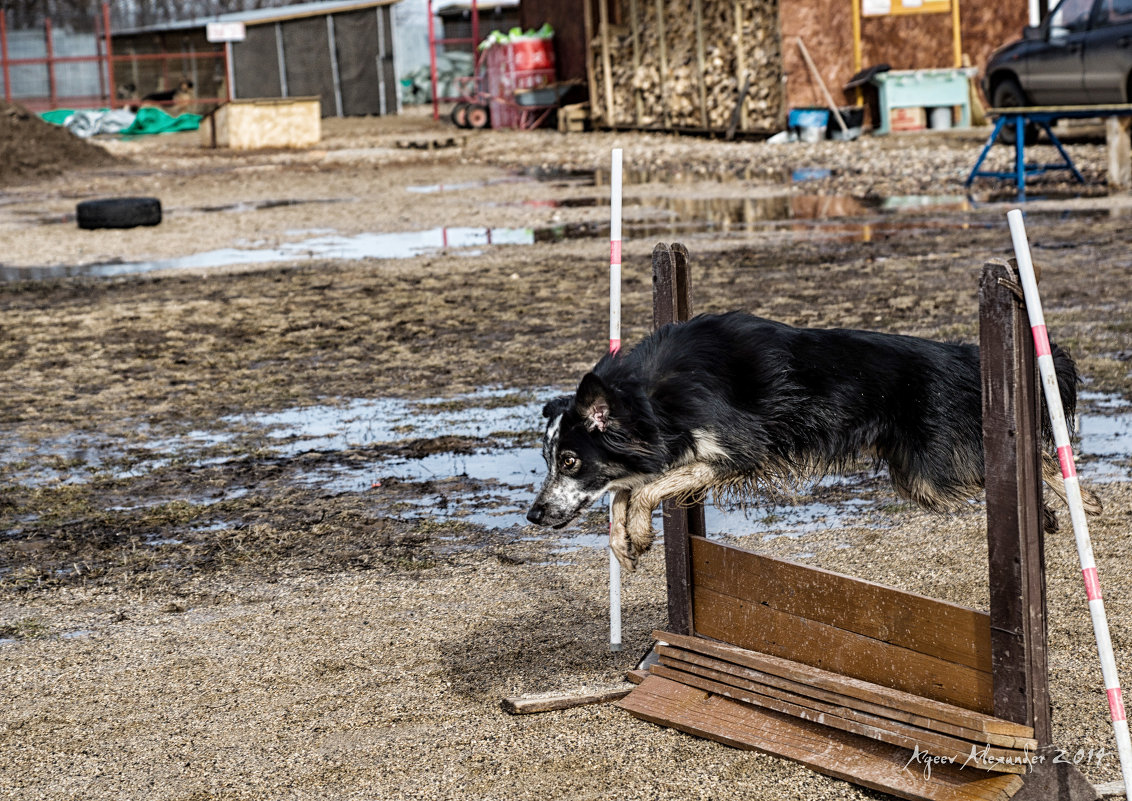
pixel 1022 170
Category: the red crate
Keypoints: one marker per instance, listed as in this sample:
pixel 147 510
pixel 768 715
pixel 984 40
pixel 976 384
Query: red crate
pixel 524 64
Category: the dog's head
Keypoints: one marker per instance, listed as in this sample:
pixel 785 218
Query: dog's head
pixel 586 451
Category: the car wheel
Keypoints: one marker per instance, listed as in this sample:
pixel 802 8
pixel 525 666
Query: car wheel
pixel 118 212
pixel 1009 94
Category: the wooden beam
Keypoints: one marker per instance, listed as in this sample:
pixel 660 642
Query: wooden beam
pixel 1119 152
pixel 634 22
pixel 672 302
pixel 591 67
pixel 555 701
pixel 606 65
pixel 701 59
pixel 1011 444
pixel 662 47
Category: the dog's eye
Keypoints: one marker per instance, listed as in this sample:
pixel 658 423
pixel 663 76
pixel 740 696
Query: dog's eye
pixel 570 462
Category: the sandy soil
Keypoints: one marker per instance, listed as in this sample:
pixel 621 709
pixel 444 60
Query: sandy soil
pixel 191 609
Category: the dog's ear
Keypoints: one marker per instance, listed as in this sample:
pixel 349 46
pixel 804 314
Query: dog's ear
pixel 557 406
pixel 593 402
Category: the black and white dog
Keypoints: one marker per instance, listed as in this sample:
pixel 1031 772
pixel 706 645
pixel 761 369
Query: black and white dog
pixel 731 402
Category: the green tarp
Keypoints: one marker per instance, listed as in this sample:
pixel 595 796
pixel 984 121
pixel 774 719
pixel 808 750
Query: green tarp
pixel 152 120
pixel 149 120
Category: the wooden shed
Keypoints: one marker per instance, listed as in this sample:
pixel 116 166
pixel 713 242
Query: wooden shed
pixel 341 52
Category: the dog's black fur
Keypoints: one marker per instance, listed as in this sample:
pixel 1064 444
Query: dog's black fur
pixel 733 401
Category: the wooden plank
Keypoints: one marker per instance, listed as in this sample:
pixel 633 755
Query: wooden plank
pixel 1119 151
pixel 742 77
pixel 606 66
pixel 552 702
pixel 841 700
pixel 672 303
pixel 636 676
pixel 842 755
pixel 760 628
pixel 981 756
pixel 701 69
pixel 846 685
pixel 662 47
pixel 936 628
pixel 634 20
pixel 1011 446
pixel 591 67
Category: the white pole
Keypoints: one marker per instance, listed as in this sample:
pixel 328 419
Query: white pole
pixel 614 346
pixel 1073 494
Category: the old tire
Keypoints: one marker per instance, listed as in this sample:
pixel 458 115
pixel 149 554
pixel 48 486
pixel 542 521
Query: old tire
pixel 459 115
pixel 1009 94
pixel 118 212
pixel 478 116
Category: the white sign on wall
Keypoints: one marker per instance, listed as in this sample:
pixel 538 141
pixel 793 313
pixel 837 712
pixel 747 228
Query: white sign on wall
pixel 226 32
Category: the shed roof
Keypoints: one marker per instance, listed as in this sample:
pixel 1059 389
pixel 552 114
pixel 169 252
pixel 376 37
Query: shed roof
pixel 262 16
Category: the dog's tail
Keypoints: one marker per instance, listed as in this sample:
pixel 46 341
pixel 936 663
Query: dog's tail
pixel 1067 382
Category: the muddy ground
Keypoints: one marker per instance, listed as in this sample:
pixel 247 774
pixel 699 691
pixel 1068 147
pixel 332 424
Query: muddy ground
pixel 262 529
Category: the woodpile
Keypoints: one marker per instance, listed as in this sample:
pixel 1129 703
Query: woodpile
pixel 659 63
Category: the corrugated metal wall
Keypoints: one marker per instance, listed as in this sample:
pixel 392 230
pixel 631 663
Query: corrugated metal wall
pixel 346 59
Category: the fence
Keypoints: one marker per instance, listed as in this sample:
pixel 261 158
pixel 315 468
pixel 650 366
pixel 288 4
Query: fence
pixel 49 68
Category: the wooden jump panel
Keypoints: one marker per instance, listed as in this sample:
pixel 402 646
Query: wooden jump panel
pixel 852 690
pixel 936 628
pixel 840 754
pixel 956 749
pixel 842 624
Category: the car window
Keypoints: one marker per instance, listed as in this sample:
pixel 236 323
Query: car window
pixel 1114 12
pixel 1071 15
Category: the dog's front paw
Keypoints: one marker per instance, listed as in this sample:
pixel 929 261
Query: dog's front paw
pixel 622 548
pixel 639 529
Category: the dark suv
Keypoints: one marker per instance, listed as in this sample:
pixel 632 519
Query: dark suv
pixel 1081 54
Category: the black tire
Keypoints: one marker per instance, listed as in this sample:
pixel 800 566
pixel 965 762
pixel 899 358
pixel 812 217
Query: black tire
pixel 118 212
pixel 478 116
pixel 1008 94
pixel 459 115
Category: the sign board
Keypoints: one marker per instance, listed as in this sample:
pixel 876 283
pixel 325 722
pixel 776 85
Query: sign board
pixel 225 32
pixel 884 8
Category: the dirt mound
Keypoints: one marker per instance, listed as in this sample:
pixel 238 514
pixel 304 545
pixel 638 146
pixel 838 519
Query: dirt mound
pixel 31 148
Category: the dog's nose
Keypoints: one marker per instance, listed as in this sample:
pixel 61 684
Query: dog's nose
pixel 537 513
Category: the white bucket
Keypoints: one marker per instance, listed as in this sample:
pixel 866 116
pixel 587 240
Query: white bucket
pixel 940 118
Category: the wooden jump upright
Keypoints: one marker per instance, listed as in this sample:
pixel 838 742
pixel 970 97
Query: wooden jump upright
pixel 891 690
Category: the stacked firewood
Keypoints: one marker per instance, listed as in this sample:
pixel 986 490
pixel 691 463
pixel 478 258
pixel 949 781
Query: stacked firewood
pixel 734 43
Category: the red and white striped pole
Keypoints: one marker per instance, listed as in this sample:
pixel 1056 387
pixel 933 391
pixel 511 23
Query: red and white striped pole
pixel 1073 494
pixel 614 346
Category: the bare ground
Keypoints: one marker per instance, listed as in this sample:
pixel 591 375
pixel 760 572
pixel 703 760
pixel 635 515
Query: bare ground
pixel 207 621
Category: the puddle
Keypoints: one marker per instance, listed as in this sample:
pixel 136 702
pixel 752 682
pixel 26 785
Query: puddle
pixel 1105 431
pixel 490 486
pixel 401 245
pixel 429 189
pixel 260 205
pixel 371 421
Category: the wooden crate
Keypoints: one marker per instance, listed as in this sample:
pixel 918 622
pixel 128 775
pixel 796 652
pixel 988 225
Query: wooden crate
pixel 572 118
pixel 292 122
